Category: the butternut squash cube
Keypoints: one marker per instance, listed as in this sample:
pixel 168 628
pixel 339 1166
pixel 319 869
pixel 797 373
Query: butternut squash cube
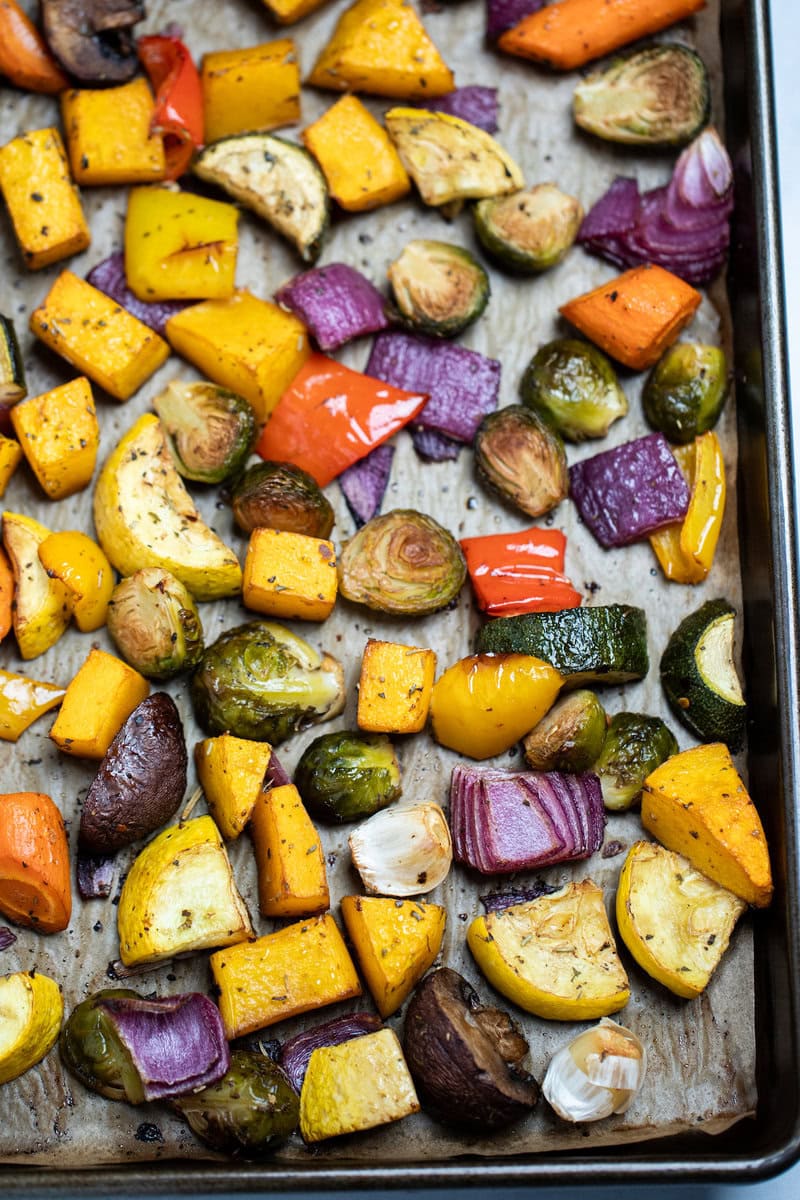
pixel 396 941
pixel 10 458
pixel 108 134
pixel 231 772
pixel 696 804
pixel 42 200
pixel 292 881
pixel 286 12
pixel 355 1086
pixel 394 691
pixel 179 246
pixel 381 46
pixel 290 575
pixel 99 337
pixel 358 158
pixel 245 344
pixel 59 435
pixel 96 705
pixel 294 970
pixel 253 89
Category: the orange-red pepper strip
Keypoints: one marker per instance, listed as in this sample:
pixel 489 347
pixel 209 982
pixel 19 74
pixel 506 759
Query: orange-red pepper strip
pixel 24 57
pixel 330 417
pixel 515 573
pixel 178 115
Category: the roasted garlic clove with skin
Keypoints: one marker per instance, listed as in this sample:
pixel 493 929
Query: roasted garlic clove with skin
pixel 596 1074
pixel 403 851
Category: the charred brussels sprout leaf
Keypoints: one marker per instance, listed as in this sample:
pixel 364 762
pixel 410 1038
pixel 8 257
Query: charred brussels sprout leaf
pixel 635 745
pixel 346 776
pixel 438 288
pixel 402 562
pixel 94 1053
pixel 261 681
pixel 248 1112
pixel 154 623
pixel 209 430
pixel 275 495
pixel 658 96
pixel 571 736
pixel 530 230
pixel 685 392
pixel 575 387
pixel 522 457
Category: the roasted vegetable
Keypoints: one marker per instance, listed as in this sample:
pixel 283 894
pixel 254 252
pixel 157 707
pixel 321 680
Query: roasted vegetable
pixel 335 302
pixel 32 1009
pixel 697 805
pixel 91 1048
pixel 41 610
pixel 466 1058
pixel 262 682
pixel 23 701
pixel 53 226
pixel 277 179
pixel 289 575
pixel 521 457
pixel 210 431
pixel 403 851
pixel 685 552
pixel 345 776
pixel 99 699
pixel 179 246
pixel 658 96
pixel 686 391
pixel 278 495
pixel 634 746
pixel 78 562
pixel 250 88
pixel 296 1052
pixel 675 922
pixel 141 780
pixel 438 288
pixel 574 386
pixel 109 277
pixel 364 484
pixel 699 676
pixel 394 688
pixel 178 115
pixel 403 562
pixel 10 458
pixel 35 887
pixel 530 230
pixel 59 435
pixel 92 39
pixel 248 1112
pixel 155 624
pixel 596 1074
pixel 292 881
pixel 12 370
pixel 555 956
pixel 395 943
pixel 569 737
pixel 357 157
pixel 24 58
pixel 109 136
pixel 231 772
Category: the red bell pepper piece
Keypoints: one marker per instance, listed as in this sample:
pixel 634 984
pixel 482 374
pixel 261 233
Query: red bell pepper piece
pixel 515 573
pixel 178 115
pixel 330 417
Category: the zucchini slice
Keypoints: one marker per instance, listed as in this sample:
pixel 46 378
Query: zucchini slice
pixel 606 644
pixel 12 372
pixel 277 180
pixel 699 676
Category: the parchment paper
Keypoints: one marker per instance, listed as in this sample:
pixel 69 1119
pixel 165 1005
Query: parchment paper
pixel 701 1052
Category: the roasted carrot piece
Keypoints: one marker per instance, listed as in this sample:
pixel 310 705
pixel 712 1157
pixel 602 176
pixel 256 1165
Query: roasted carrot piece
pixel 24 57
pixel 636 316
pixel 573 32
pixel 34 862
pixel 6 593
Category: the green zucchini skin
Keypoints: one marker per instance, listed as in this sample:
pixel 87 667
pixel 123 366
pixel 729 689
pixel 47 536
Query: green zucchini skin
pixel 710 716
pixel 601 645
pixel 12 372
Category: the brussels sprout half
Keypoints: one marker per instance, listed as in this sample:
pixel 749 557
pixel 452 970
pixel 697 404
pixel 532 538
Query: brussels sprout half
pixel 346 776
pixel 530 230
pixel 574 386
pixel 685 392
pixel 154 623
pixel 520 456
pixel 210 430
pixel 571 736
pixel 93 1052
pixel 276 495
pixel 659 96
pixel 635 745
pixel 262 682
pixel 438 288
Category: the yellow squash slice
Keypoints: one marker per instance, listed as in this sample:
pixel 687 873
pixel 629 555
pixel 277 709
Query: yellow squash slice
pixel 31 1009
pixel 42 607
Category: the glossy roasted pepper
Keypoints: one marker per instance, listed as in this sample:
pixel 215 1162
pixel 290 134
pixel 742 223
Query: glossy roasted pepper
pixel 178 115
pixel 514 573
pixel 686 551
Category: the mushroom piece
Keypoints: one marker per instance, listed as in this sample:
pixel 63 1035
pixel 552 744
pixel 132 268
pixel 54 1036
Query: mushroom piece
pixel 91 38
pixel 465 1058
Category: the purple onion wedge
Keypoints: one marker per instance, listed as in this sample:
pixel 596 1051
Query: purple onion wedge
pixel 95 875
pixel 614 214
pixel 295 1053
pixel 336 302
pixel 435 447
pixel 276 776
pixel 500 901
pixel 476 104
pixel 626 493
pixel 109 277
pixel 364 484
pixel 505 14
pixel 7 937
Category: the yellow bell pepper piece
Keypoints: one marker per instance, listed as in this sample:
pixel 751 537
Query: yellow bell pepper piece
pixel 10 458
pixel 42 200
pixel 253 89
pixel 23 701
pixel 79 563
pixel 31 1011
pixel 97 703
pixel 685 551
pixel 42 606
pixel 59 435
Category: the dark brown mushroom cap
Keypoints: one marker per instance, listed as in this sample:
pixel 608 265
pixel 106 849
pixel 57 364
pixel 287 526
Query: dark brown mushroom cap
pixel 464 1057
pixel 91 38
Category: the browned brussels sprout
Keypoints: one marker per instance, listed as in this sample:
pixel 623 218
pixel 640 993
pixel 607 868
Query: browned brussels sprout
pixel 345 776
pixel 210 431
pixel 685 392
pixel 438 288
pixel 155 624
pixel 528 231
pixel 276 495
pixel 92 1050
pixel 522 457
pixel 402 562
pixel 573 386
pixel 635 745
pixel 570 737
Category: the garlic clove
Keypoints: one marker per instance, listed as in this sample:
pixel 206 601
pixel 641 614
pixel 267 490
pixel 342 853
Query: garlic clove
pixel 403 851
pixel 596 1074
